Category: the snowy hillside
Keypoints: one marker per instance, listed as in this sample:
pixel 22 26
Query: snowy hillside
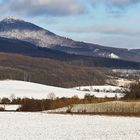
pixel 12 27
pixel 38 91
pixel 28 89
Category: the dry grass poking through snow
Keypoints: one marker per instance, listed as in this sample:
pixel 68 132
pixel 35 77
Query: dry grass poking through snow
pixel 109 108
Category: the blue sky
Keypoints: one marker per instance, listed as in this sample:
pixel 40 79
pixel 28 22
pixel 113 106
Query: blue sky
pixel 113 23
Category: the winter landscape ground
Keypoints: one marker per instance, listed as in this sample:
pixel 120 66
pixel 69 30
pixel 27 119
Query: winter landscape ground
pixel 38 91
pixel 42 126
pixel 69 70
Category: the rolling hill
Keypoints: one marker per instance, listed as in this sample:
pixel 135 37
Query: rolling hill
pixel 22 89
pixel 48 71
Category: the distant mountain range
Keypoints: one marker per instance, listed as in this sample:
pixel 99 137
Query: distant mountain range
pixel 13 28
pixel 15 46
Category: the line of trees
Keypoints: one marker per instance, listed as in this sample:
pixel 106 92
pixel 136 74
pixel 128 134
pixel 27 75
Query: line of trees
pixel 51 103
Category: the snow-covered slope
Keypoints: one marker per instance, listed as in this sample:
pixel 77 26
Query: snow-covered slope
pixel 32 90
pixel 11 19
pixel 12 27
pixel 112 55
pixel 28 89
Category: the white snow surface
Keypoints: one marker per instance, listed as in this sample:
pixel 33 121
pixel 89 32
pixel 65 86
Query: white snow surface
pixel 10 107
pixel 112 55
pixel 42 126
pixel 38 91
pixel 11 19
pixel 33 90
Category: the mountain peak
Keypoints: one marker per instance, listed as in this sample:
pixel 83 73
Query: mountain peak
pixel 13 23
pixel 11 19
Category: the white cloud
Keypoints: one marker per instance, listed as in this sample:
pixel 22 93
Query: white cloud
pixel 43 7
pixel 59 7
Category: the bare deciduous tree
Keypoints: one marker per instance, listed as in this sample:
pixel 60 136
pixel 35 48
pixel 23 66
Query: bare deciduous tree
pixel 51 96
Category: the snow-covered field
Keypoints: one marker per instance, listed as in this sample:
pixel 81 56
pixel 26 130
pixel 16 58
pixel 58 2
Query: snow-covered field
pixel 10 107
pixel 42 126
pixel 32 90
pixel 38 91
